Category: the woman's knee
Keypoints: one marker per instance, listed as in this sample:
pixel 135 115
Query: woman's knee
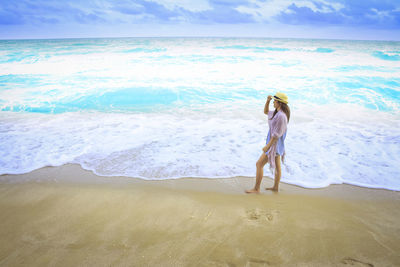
pixel 261 162
pixel 278 163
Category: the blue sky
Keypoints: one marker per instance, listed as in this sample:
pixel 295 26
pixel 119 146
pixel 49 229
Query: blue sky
pixel 327 19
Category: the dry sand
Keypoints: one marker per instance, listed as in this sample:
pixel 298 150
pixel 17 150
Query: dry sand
pixel 66 216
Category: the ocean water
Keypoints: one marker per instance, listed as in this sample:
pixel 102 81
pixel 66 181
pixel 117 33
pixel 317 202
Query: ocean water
pixel 161 108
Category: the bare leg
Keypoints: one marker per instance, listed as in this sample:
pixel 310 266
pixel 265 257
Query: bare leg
pixel 260 172
pixel 278 174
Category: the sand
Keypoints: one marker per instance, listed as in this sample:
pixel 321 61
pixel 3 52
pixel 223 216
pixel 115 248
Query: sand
pixel 66 216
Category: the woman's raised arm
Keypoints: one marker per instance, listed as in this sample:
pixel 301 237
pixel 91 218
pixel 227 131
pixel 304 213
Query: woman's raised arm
pixel 266 107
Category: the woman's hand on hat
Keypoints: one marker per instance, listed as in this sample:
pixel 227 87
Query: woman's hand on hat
pixel 269 98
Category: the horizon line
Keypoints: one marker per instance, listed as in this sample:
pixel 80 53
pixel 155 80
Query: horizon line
pixel 198 37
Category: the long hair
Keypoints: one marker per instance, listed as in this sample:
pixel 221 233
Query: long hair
pixel 285 108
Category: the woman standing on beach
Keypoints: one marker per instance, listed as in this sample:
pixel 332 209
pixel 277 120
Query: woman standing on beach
pixel 274 150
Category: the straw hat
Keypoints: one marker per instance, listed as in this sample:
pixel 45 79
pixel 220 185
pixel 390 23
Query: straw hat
pixel 281 97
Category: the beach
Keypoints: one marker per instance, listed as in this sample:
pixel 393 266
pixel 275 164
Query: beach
pixel 138 151
pixel 67 216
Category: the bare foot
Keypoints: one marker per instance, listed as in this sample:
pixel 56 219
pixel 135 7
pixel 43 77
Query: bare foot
pixel 252 191
pixel 274 189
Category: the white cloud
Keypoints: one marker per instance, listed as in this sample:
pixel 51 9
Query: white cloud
pixel 266 10
pixel 193 6
pixel 263 11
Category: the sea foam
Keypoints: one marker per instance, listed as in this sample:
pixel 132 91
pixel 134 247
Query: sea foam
pixel 161 108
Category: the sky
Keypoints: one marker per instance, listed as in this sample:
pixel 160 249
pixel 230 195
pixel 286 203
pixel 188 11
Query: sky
pixel 320 19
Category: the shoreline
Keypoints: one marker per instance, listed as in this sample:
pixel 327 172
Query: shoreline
pixel 67 216
pixel 75 174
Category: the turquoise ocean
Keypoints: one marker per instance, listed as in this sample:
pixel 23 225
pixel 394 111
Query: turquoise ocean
pixel 162 108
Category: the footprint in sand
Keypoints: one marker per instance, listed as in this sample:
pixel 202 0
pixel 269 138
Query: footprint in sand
pixel 354 262
pixel 262 215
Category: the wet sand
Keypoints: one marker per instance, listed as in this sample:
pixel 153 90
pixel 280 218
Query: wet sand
pixel 66 216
